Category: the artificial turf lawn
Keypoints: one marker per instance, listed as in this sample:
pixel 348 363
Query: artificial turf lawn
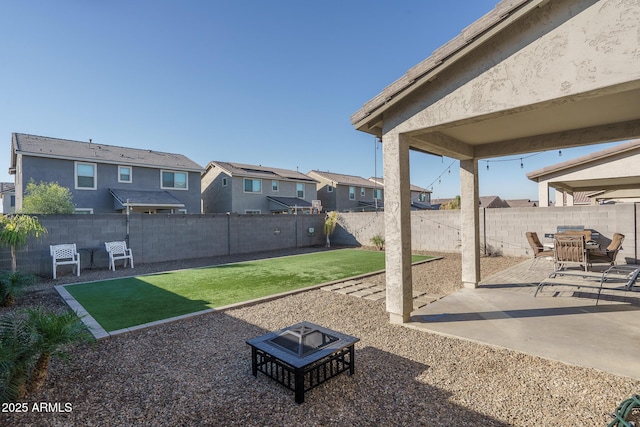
pixel 126 302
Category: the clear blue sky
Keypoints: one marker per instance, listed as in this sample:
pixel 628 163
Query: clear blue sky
pixel 258 82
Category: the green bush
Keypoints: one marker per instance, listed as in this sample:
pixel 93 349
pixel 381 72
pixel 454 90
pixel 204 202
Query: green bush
pixel 378 242
pixel 11 284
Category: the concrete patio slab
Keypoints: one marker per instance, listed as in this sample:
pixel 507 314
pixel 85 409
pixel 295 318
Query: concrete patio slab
pixel 560 324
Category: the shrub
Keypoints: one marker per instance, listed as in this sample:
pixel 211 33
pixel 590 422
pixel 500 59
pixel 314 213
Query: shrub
pixel 11 284
pixel 378 242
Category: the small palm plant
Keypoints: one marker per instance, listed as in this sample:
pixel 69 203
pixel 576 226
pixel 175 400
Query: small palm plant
pixel 14 230
pixel 330 223
pixel 16 356
pixel 52 332
pixel 10 285
pixel 378 242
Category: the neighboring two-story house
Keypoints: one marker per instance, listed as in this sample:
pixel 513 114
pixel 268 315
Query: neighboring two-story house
pixel 8 197
pixel 251 189
pixel 106 178
pixel 347 193
pixel 420 197
pixel 350 193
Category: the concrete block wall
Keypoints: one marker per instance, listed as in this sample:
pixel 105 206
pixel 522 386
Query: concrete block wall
pixel 502 231
pixel 157 238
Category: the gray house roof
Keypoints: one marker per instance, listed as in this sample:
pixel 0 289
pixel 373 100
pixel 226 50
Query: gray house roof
pixel 42 146
pixel 7 187
pixel 259 171
pixel 342 179
pixel 412 187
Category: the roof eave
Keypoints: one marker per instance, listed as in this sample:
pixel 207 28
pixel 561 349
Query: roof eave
pixel 369 118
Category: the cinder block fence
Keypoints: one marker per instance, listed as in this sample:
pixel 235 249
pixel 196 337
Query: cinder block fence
pixel 156 238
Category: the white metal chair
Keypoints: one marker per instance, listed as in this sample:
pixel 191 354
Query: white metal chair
pixel 65 254
pixel 118 251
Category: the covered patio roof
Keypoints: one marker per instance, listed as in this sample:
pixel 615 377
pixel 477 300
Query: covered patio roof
pixel 613 173
pixel 144 199
pixel 529 76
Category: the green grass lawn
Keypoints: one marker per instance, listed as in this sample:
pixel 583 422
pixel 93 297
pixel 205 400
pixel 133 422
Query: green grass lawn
pixel 126 302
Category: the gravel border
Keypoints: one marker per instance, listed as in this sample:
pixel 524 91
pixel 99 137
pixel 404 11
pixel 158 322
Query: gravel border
pixel 198 371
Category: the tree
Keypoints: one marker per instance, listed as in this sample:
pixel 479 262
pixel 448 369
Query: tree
pixel 330 222
pixel 48 198
pixel 52 332
pixel 14 230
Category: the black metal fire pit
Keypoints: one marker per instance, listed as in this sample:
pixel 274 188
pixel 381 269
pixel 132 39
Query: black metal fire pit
pixel 302 356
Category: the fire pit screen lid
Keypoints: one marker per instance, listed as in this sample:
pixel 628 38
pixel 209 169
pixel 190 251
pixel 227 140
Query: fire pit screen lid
pixel 302 340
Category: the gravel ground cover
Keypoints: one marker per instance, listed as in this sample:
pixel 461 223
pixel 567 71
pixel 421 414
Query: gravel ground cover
pixel 198 371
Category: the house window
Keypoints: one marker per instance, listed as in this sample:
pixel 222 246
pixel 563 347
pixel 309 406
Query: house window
pixel 12 201
pixel 85 176
pixel 224 181
pixel 362 191
pixel 174 180
pixel 124 174
pixel 377 193
pixel 422 197
pixel 252 186
pixel 252 211
pixel 352 193
pixel 274 186
pixel 300 190
pixel 329 189
pixel 84 211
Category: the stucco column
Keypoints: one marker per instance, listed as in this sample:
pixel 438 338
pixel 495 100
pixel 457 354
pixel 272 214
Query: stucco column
pixel 470 223
pixel 569 199
pixel 397 221
pixel 543 194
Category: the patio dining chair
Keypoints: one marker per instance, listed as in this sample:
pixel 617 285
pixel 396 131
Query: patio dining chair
pixel 608 256
pixel 539 251
pixel 570 250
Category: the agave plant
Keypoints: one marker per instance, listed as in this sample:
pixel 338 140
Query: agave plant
pixel 51 334
pixel 10 284
pixel 16 356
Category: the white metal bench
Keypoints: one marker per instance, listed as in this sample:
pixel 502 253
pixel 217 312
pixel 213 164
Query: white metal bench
pixel 118 251
pixel 65 254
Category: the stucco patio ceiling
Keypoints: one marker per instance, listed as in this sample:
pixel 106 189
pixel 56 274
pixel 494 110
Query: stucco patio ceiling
pixel 607 184
pixel 601 117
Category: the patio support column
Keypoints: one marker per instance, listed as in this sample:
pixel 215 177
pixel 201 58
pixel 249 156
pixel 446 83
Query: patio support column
pixel 397 219
pixel 470 223
pixel 543 194
pixel 569 199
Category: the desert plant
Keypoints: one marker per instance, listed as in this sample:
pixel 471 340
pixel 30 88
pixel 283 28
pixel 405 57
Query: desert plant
pixel 378 242
pixel 10 285
pixel 52 332
pixel 16 356
pixel 330 223
pixel 14 230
